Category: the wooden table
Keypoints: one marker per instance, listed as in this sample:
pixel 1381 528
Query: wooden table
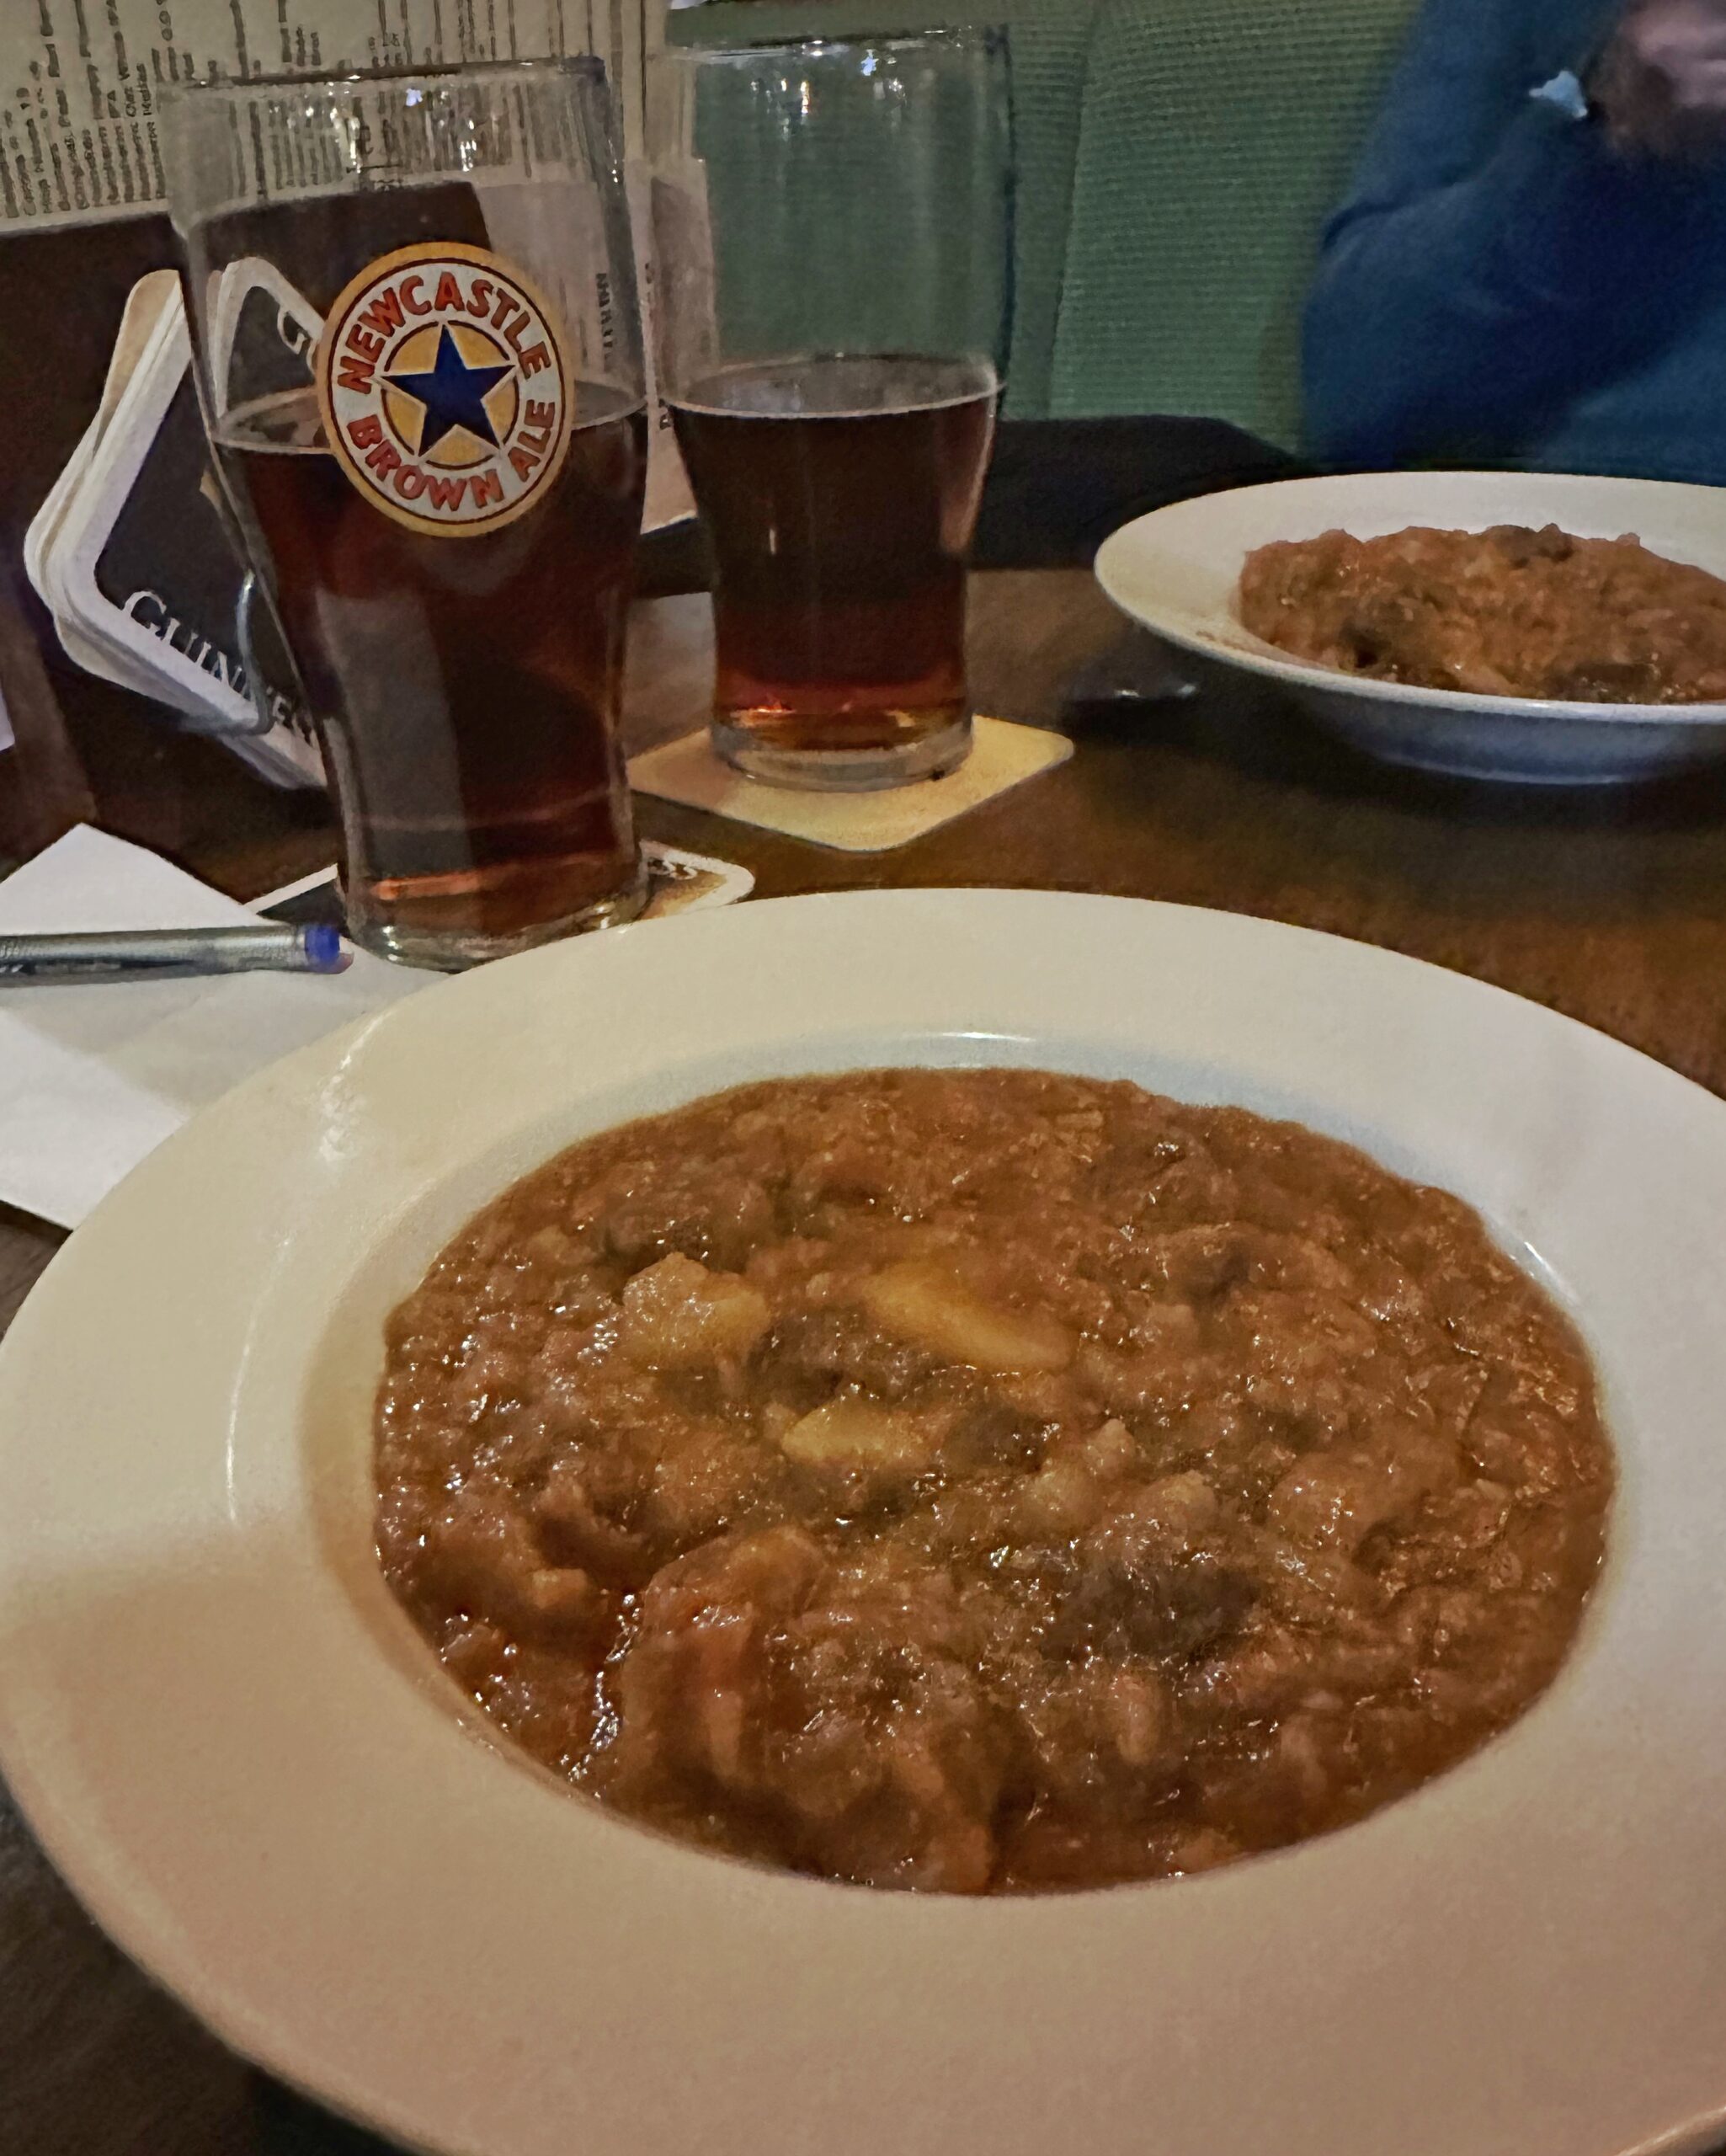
pixel 1608 905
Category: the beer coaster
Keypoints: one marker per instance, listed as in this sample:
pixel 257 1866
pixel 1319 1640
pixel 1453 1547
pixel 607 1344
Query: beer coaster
pixel 682 883
pixel 1003 755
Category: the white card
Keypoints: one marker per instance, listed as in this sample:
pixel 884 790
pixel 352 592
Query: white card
pixel 136 540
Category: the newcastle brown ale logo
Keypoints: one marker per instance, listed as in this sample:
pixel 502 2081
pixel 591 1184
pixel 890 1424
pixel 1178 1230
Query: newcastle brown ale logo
pixel 442 388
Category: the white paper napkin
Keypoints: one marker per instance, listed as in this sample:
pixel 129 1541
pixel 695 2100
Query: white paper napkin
pixel 93 1079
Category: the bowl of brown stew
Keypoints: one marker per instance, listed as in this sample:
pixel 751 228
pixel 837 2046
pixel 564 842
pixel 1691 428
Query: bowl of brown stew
pixel 914 1520
pixel 1537 627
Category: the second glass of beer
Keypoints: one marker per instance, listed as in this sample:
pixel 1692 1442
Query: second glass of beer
pixel 832 228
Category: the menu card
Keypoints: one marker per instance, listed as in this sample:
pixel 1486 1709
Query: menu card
pixel 81 80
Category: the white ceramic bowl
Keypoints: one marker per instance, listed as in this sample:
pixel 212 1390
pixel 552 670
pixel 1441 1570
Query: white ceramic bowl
pixel 234 1745
pixel 1176 571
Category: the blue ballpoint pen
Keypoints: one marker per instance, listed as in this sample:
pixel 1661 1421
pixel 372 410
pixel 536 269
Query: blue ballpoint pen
pixel 170 953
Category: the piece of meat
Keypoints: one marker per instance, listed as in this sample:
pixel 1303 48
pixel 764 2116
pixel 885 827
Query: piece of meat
pixel 810 1348
pixel 480 1557
pixel 1335 1499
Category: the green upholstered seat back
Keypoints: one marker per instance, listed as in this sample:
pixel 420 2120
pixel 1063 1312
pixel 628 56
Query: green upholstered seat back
pixel 1216 136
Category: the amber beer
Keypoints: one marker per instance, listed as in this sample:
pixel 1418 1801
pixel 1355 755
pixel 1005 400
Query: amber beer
pixel 841 495
pixel 411 293
pixel 466 690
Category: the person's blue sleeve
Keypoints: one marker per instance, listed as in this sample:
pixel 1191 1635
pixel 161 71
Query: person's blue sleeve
pixel 1495 257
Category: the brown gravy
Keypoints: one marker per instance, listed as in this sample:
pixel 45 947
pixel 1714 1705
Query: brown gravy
pixel 987 1480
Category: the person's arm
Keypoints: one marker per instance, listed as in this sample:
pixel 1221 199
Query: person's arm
pixel 1496 256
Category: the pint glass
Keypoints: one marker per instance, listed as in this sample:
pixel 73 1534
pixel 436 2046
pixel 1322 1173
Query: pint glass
pixel 832 233
pixel 414 313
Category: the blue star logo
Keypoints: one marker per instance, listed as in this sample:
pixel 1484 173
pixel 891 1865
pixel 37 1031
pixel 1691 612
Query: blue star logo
pixel 453 394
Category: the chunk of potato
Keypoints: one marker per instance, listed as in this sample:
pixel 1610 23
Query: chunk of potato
pixel 1184 1505
pixel 856 1435
pixel 677 1314
pixel 933 1308
pixel 1109 1452
pixel 1061 1498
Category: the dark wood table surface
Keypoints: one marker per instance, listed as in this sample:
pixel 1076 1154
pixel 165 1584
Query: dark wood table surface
pixel 1608 905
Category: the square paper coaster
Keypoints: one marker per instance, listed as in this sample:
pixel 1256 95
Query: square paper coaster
pixel 1002 754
